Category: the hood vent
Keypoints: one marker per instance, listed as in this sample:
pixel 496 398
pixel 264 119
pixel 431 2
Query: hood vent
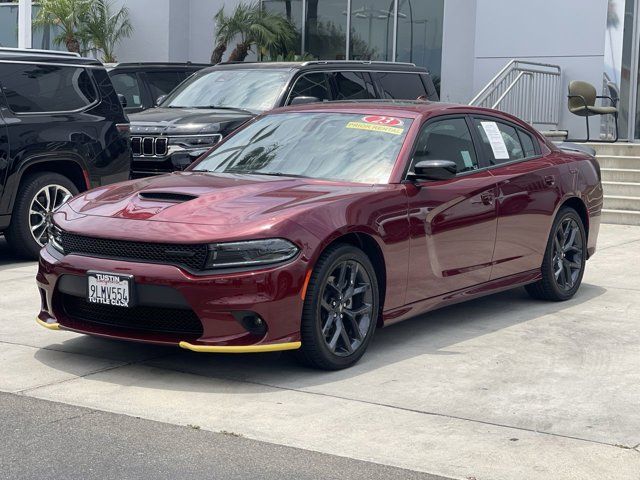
pixel 167 196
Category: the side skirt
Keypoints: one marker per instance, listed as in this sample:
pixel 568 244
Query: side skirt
pixel 487 288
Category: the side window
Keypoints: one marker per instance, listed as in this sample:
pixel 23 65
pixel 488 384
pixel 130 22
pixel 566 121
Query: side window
pixel 161 83
pixel 353 85
pixel 448 139
pixel 312 85
pixel 127 84
pixel 527 144
pixel 404 86
pixel 500 141
pixel 46 88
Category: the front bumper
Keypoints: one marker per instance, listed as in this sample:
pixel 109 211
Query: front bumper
pixel 167 293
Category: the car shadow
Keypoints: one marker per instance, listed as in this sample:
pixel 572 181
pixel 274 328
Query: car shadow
pixel 8 259
pixel 435 333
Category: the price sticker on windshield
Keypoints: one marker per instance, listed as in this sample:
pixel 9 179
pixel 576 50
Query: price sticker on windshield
pixel 379 123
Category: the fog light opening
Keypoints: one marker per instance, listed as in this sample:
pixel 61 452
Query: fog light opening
pixel 251 322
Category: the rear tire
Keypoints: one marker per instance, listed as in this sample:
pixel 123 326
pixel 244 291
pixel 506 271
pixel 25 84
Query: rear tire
pixel 340 309
pixel 564 259
pixel 38 196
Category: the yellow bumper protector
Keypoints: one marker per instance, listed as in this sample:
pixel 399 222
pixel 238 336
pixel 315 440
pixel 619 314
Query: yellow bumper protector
pixel 50 326
pixel 272 347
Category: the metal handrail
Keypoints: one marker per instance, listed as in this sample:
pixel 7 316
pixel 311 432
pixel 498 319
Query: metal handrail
pixel 538 99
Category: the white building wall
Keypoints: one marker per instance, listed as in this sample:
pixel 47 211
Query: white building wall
pixel 569 33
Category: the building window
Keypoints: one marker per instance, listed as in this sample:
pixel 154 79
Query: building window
pixel 419 37
pixel 372 30
pixel 326 29
pixel 291 10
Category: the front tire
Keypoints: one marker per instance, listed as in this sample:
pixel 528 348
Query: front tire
pixel 340 309
pixel 564 259
pixel 38 196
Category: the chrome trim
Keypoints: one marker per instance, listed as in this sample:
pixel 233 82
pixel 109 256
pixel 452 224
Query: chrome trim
pixel 355 62
pixel 40 51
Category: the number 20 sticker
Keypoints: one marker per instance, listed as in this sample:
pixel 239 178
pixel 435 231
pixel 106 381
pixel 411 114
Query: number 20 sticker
pixel 381 120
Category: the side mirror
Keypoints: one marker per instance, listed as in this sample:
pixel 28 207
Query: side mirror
pixel 160 99
pixel 434 170
pixel 123 100
pixel 303 100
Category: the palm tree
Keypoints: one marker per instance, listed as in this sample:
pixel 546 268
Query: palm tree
pixel 253 26
pixel 104 27
pixel 69 16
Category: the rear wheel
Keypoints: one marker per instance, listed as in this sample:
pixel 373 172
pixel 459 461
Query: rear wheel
pixel 564 259
pixel 340 309
pixel 39 195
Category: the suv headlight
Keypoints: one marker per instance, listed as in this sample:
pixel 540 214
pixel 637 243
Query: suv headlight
pixel 55 238
pixel 250 253
pixel 195 141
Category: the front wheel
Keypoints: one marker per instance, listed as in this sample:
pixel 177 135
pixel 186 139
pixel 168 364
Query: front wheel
pixel 340 309
pixel 564 259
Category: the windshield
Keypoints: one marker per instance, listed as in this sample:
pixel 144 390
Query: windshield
pixel 333 146
pixel 256 89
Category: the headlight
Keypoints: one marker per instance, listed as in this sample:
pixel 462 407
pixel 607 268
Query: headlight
pixel 195 141
pixel 250 253
pixel 55 238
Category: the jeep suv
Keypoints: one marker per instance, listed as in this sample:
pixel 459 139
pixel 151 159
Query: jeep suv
pixel 141 84
pixel 216 100
pixel 62 131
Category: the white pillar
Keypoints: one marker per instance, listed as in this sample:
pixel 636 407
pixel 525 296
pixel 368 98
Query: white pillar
pixel 24 24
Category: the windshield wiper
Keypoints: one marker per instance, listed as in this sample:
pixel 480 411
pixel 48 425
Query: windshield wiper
pixel 269 174
pixel 218 107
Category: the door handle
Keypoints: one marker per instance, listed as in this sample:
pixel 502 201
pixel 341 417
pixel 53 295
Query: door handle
pixel 549 180
pixel 486 198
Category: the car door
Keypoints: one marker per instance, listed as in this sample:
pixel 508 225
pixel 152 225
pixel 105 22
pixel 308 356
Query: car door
pixel 452 222
pixel 528 191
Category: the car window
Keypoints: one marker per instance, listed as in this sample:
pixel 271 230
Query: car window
pixel 364 148
pixel 405 86
pixel 527 144
pixel 161 83
pixel 312 85
pixel 46 88
pixel 500 141
pixel 127 84
pixel 448 139
pixel 353 85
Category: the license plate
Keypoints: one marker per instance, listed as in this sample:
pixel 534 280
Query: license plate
pixel 109 288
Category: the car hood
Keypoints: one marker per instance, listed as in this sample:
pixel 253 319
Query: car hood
pixel 231 202
pixel 186 120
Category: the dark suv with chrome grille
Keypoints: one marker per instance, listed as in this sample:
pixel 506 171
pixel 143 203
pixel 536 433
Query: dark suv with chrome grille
pixel 215 101
pixel 62 131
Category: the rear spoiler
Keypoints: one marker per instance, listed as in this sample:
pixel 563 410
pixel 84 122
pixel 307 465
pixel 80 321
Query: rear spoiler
pixel 575 147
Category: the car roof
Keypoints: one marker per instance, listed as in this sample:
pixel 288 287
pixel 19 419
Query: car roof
pixel 45 56
pixel 159 65
pixel 400 108
pixel 325 64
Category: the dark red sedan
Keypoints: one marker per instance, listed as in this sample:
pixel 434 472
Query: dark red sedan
pixel 312 225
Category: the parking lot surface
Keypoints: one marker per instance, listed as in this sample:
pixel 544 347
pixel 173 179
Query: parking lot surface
pixel 502 387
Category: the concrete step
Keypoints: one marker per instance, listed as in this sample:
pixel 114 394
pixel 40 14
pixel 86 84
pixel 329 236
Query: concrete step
pixel 625 189
pixel 618 149
pixel 620 202
pixel 620 217
pixel 621 175
pixel 618 161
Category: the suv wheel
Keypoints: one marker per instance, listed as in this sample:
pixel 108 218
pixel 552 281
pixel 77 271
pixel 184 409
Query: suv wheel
pixel 39 195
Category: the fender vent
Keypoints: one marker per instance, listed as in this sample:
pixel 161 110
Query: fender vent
pixel 167 196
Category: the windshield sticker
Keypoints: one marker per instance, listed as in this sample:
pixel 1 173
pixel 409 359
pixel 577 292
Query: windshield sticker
pixel 382 120
pixel 378 123
pixel 496 141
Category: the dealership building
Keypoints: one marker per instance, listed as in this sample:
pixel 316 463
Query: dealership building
pixel 463 43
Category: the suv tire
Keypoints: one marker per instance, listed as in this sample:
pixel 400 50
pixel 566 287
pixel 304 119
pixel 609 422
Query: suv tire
pixel 35 190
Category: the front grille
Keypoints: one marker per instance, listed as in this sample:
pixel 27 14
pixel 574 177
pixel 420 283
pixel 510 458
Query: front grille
pixel 139 318
pixel 192 257
pixel 149 146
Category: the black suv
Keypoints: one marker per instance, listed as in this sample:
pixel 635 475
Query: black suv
pixel 62 131
pixel 142 84
pixel 216 100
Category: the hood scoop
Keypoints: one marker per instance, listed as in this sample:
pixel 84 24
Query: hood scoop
pixel 172 197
